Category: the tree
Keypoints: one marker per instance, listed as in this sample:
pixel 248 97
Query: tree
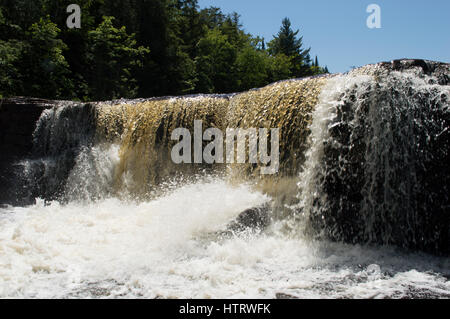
pixel 189 26
pixel 113 56
pixel 45 71
pixel 185 30
pixel 216 63
pixel 10 56
pixel 280 67
pixel 191 50
pixel 252 67
pixel 23 13
pixel 287 43
pixel 317 69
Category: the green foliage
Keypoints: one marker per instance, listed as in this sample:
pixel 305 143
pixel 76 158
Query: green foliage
pixel 140 48
pixel 48 71
pixel 112 56
pixel 252 66
pixel 280 67
pixel 34 64
pixel 10 56
pixel 286 42
pixel 216 63
pixel 10 53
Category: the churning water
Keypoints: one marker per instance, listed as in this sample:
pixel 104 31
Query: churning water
pixel 117 222
pixel 114 248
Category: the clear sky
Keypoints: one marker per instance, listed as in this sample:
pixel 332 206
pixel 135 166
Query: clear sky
pixel 336 30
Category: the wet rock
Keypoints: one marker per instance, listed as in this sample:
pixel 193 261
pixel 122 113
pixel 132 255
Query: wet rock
pixel 18 117
pixel 256 218
pixel 385 171
pixel 401 65
pixel 18 135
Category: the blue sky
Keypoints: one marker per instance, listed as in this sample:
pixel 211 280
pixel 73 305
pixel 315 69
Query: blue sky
pixel 336 30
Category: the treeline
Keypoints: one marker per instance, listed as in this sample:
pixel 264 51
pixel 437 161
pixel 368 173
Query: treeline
pixel 142 48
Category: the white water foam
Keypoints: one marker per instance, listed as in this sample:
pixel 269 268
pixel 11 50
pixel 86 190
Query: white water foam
pixel 111 249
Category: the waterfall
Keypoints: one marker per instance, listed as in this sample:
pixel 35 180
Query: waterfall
pixel 143 131
pixel 363 155
pixel 377 170
pixel 363 179
pixel 135 137
pixel 61 133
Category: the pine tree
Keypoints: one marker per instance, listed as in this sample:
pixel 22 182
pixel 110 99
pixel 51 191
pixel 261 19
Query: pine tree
pixel 287 43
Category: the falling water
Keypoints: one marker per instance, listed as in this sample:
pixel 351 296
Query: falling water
pixel 377 170
pixel 363 175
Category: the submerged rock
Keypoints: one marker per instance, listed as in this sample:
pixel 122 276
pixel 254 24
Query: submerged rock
pixel 256 218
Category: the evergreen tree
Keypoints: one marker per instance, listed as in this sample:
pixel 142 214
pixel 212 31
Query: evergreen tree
pixel 189 26
pixel 286 42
